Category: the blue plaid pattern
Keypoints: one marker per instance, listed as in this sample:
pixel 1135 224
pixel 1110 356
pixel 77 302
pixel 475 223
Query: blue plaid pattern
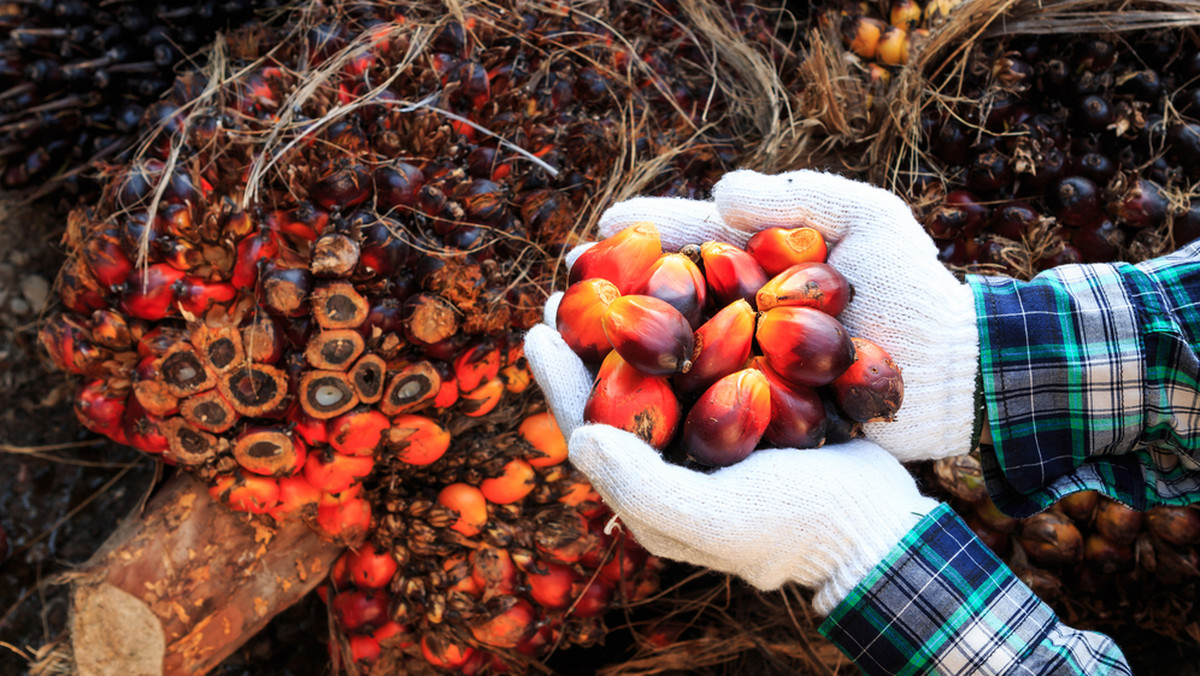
pixel 1091 381
pixel 941 602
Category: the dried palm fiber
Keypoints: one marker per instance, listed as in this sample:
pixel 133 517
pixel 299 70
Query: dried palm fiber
pixel 77 76
pixel 308 287
pixel 987 130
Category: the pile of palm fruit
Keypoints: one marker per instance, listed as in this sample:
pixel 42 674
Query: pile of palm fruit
pixel 1032 151
pixel 76 77
pixel 308 290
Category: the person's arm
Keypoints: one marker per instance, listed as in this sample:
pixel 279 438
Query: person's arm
pixel 1090 377
pixel 941 602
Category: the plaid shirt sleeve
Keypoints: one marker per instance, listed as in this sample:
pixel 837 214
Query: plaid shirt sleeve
pixel 1091 381
pixel 941 602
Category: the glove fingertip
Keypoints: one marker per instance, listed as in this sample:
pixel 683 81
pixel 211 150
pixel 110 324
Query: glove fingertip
pixel 550 310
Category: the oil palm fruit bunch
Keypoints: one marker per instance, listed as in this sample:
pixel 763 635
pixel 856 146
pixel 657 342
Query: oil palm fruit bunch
pixel 1088 553
pixel 715 349
pixel 882 32
pixel 77 77
pixel 1068 156
pixel 308 291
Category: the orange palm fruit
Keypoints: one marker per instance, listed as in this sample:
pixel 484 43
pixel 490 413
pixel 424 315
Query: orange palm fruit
pixel 905 14
pixel 777 249
pixel 370 567
pixel 550 584
pixel 476 365
pixel 253 494
pixel 493 571
pixel 295 494
pixel 542 432
pixel 622 259
pixel 731 273
pixel 335 472
pixel 729 419
pixel 814 285
pixel 1116 522
pixel 1080 505
pixel 483 399
pixel 364 648
pixel 1050 539
pixel 1106 556
pixel 674 278
pixel 871 388
pixel 442 653
pixel 797 412
pixel 722 346
pixel 509 627
pixel 517 481
pixel 636 402
pixel 580 316
pixel 805 346
pixel 357 432
pixel 862 35
pixel 343 519
pixel 1178 525
pixel 416 439
pixel 892 48
pixel 650 334
pixel 470 504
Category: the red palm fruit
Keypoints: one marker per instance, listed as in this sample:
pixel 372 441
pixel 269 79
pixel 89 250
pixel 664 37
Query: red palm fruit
pixel 392 630
pixel 871 388
pixel 650 334
pixel 370 567
pixel 416 439
pixel 542 432
pixel 295 494
pixel 360 610
pixel 580 317
pixel 509 627
pixel 335 472
pixel 62 337
pixel 1105 555
pixel 151 293
pixel 142 429
pixel 627 560
pixel 593 600
pixel 675 279
pixel 357 432
pixel 343 520
pixel 633 401
pixel 111 330
pixel 483 399
pixel 731 273
pixel 729 419
pixel 797 413
pixel 805 346
pixel 550 584
pixel 101 409
pixel 622 259
pixel 1080 505
pixel 777 249
pixel 106 259
pixel 448 393
pixel 517 481
pixel 312 430
pixel 365 648
pixel 814 285
pixel 1178 525
pixel 442 653
pixel 493 571
pixel 470 504
pixel 252 494
pixel 261 246
pixel 476 365
pixel 1116 522
pixel 1050 539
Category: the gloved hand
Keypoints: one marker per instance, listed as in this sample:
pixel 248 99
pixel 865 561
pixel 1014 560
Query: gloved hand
pixel 905 300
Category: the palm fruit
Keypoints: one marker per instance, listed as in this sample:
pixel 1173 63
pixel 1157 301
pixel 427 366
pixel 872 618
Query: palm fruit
pixel 727 421
pixel 336 248
pixel 77 77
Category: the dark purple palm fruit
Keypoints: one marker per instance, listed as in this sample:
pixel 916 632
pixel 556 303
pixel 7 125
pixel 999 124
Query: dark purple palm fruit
pixel 989 172
pixel 1099 240
pixel 1048 170
pixel 1014 220
pixel 1142 85
pixel 1095 56
pixel 1187 102
pixel 1075 200
pixel 1138 203
pixel 1186 226
pixel 1097 167
pixel 961 215
pixel 1094 113
pixel 1067 254
pixel 1184 138
pixel 951 143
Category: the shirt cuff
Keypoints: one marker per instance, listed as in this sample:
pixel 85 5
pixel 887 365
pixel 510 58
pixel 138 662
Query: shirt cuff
pixel 941 602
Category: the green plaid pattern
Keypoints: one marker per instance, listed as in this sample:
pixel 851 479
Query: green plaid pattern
pixel 1090 377
pixel 941 602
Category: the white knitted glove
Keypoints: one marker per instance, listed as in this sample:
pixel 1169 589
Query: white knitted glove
pixel 904 299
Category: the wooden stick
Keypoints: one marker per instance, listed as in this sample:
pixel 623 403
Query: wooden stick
pixel 177 589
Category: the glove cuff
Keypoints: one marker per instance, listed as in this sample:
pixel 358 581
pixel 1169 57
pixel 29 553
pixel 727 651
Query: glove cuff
pixel 875 541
